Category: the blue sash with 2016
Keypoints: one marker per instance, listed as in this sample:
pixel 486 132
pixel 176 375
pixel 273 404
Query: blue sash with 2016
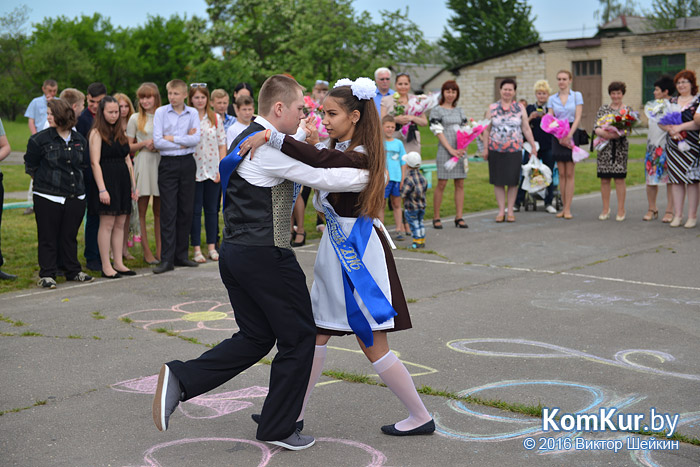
pixel 356 276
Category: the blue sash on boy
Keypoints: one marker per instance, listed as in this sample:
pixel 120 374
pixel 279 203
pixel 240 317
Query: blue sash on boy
pixel 356 276
pixel 229 163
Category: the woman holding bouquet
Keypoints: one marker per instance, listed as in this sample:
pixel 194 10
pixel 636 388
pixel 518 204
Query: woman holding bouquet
pixel 612 158
pixel 504 140
pixel 655 164
pixel 683 149
pixel 402 105
pixel 565 105
pixel 450 117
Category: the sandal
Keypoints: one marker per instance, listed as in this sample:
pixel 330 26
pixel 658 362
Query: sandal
pixel 668 217
pixel 437 224
pixel 500 217
pixel 213 255
pixel 459 223
pixel 651 215
pixel 199 257
pixel 510 218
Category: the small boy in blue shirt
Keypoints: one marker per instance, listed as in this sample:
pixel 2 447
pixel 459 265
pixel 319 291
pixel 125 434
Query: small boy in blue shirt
pixel 413 191
pixel 396 167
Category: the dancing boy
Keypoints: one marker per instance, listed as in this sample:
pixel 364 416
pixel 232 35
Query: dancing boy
pixel 265 283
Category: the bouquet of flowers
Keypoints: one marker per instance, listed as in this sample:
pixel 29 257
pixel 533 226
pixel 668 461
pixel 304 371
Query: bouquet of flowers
pixel 656 109
pixel 673 117
pixel 620 123
pixel 465 135
pixel 399 109
pixel 469 132
pixel 537 176
pixel 560 129
pixel 416 106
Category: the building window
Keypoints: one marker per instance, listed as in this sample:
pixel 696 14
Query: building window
pixel 656 65
pixel 587 68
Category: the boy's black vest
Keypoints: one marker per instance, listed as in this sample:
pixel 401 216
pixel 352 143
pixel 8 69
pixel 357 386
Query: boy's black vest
pixel 256 215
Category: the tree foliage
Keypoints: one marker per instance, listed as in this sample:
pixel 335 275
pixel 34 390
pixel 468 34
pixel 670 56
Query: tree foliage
pixel 76 52
pixel 665 12
pixel 482 28
pixel 309 39
pixel 611 9
pixel 242 40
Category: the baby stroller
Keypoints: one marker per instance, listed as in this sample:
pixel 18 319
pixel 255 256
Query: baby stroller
pixel 530 201
pixel 530 197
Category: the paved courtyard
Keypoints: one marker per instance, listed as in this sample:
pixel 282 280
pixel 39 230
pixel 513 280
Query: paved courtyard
pixel 580 315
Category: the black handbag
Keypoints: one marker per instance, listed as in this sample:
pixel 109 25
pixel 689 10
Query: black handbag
pixel 581 137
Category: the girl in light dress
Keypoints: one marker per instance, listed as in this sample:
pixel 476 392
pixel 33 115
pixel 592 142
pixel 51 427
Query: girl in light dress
pixel 352 123
pixel 139 130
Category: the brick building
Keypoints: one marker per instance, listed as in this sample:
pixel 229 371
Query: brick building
pixel 624 49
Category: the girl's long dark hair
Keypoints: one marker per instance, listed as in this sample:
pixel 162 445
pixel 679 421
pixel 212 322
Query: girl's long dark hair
pixel 108 132
pixel 368 134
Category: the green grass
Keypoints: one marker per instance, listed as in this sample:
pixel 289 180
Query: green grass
pixel 17 133
pixel 19 239
pixel 15 179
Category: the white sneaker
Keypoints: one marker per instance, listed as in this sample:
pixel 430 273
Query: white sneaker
pixel 551 209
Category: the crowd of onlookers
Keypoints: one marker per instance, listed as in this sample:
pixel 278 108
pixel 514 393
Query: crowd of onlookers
pixel 113 159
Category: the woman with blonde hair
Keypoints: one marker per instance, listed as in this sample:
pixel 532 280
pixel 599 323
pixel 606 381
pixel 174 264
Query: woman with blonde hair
pixel 139 130
pixel 565 105
pixel 535 112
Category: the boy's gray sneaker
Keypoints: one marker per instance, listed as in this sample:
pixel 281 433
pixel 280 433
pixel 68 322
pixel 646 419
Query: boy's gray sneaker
pixel 82 277
pixel 47 282
pixel 295 442
pixel 256 419
pixel 168 396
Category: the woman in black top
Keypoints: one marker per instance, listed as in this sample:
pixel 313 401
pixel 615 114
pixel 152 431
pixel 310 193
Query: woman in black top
pixel 55 159
pixel 114 178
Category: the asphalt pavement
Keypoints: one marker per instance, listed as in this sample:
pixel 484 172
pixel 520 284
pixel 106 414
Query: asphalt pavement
pixel 580 315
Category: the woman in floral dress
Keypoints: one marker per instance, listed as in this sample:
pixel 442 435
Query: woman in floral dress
pixel 503 139
pixel 655 165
